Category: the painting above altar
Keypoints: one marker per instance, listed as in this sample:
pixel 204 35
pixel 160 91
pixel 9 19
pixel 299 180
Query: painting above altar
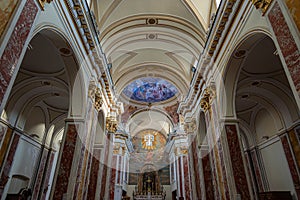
pixel 150 90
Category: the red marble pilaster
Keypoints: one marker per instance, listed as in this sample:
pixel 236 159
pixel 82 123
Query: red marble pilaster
pixel 8 163
pixel 83 152
pixel 38 182
pixel 286 43
pixel 186 175
pixel 196 168
pixel 257 171
pixel 15 45
pixel 291 163
pixel 47 176
pixel 90 152
pixel 220 152
pixel 94 174
pixel 208 180
pixel 105 167
pixel 179 181
pixel 66 161
pixel 113 177
pixel 237 162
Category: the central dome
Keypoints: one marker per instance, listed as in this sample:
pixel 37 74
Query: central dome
pixel 150 90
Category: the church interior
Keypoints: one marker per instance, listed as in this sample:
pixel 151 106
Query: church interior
pixel 150 100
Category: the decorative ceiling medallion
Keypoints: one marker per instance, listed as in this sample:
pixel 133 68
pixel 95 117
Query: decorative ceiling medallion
pixel 150 90
pixel 240 53
pixel 151 21
pixel 151 36
pixel 65 51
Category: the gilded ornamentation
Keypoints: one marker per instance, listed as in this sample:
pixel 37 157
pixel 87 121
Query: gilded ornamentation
pixel 6 11
pixel 262 4
pixel 98 100
pixel 181 151
pixel 42 2
pixel 208 97
pixel 111 124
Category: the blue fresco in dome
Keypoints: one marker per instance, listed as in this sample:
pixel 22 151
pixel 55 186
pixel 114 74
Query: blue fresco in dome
pixel 150 90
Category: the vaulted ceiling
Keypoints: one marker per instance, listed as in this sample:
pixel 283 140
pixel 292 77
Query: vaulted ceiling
pixel 153 38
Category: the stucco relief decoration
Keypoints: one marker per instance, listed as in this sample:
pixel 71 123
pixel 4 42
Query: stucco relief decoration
pixel 262 4
pixel 207 98
pixel 150 90
pixel 190 127
pixel 42 2
pixel 98 99
pixel 6 10
pixel 111 124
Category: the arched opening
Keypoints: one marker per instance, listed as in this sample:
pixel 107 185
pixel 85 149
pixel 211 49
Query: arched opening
pixel 263 102
pixel 38 104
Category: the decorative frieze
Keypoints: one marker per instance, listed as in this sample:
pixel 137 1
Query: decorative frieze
pixel 262 4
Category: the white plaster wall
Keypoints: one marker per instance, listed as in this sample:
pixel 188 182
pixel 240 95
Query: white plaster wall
pixel 276 168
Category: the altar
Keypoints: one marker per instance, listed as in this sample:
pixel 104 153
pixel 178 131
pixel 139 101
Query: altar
pixel 149 187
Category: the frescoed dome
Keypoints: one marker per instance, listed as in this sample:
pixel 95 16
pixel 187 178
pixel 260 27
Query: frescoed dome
pixel 150 90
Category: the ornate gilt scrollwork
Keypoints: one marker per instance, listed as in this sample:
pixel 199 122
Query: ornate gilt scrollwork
pixel 111 124
pixel 208 97
pixel 262 4
pixel 42 3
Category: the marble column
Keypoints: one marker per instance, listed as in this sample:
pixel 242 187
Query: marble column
pixel 207 175
pixel 182 166
pixel 237 163
pixel 196 166
pixel 111 128
pixel 118 165
pixel 45 184
pixel 190 128
pixel 219 172
pixel 291 162
pixel 92 188
pixel 286 42
pixel 86 144
pixel 16 45
pixel 66 163
pixel 40 173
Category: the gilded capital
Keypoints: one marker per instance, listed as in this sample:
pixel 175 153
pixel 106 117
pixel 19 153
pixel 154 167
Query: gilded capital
pixel 92 89
pixel 190 127
pixel 42 3
pixel 181 151
pixel 111 124
pixel 262 4
pixel 208 96
pixel 98 99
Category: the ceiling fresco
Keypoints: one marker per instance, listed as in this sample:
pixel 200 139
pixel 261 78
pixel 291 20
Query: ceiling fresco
pixel 150 90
